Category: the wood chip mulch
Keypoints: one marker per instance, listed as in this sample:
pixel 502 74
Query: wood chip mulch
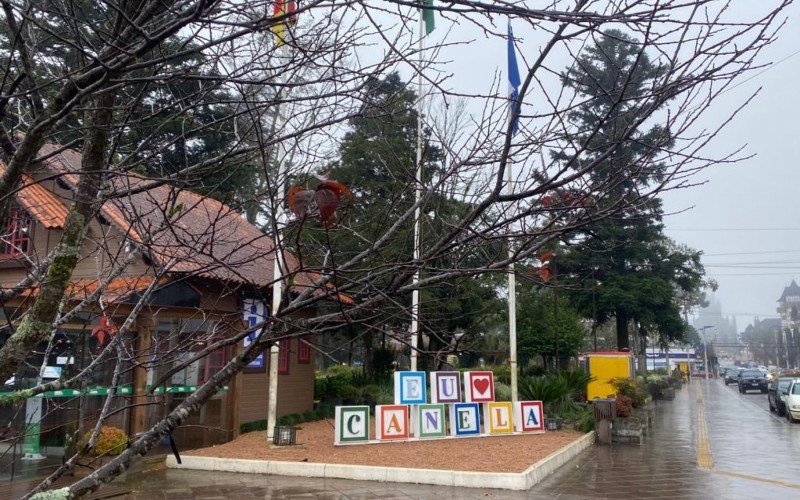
pixel 482 454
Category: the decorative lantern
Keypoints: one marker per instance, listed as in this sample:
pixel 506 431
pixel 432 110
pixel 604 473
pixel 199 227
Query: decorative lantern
pixel 284 435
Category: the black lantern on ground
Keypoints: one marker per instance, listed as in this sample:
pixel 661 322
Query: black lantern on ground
pixel 284 435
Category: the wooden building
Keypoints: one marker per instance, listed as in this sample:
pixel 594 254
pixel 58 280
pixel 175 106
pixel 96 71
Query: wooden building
pixel 212 272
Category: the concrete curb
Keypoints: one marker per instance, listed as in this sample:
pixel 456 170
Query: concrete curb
pixel 503 480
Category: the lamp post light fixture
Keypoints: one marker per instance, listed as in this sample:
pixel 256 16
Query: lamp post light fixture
pixel 705 348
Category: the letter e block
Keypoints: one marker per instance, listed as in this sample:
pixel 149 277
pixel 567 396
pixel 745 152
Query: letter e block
pixel 499 418
pixel 529 416
pixel 465 419
pixel 351 425
pixel 410 388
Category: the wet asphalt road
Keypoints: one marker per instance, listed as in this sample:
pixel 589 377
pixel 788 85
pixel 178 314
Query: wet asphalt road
pixel 710 442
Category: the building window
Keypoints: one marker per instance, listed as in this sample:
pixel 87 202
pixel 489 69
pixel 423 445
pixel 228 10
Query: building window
pixel 211 364
pixel 304 349
pixel 283 357
pixel 16 238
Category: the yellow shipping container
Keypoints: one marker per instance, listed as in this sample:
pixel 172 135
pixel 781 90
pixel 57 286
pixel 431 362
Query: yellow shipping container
pixel 605 366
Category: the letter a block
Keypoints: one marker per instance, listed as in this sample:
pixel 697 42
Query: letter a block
pixel 445 387
pixel 410 388
pixel 391 422
pixel 529 416
pixel 479 387
pixel 430 421
pixel 351 424
pixel 465 419
pixel 499 418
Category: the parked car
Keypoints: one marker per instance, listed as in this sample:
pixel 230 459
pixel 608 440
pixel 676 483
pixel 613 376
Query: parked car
pixel 792 401
pixel 750 380
pixel 776 393
pixel 731 376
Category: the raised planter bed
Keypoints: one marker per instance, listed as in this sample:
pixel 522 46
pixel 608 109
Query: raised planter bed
pixel 628 430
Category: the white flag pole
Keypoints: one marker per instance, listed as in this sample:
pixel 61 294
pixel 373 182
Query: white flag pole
pixel 278 264
pixel 414 328
pixel 512 279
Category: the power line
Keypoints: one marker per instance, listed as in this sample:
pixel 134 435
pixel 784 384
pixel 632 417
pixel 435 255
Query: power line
pixel 709 229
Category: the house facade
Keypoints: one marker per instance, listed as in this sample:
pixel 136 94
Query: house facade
pixel 206 273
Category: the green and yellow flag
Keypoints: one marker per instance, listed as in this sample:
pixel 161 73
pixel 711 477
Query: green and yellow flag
pixel 427 16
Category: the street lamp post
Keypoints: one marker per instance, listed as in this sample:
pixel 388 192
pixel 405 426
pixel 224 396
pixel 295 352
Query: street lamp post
pixel 705 348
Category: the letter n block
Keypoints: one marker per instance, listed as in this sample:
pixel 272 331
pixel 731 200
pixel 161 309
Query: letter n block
pixel 529 416
pixel 479 387
pixel 351 425
pixel 391 422
pixel 465 419
pixel 410 388
pixel 431 421
pixel 499 418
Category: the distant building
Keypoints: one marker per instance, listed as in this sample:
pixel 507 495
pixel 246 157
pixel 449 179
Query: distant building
pixel 788 308
pixel 724 334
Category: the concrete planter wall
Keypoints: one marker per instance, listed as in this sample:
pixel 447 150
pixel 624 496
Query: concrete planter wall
pixel 628 430
pixel 668 393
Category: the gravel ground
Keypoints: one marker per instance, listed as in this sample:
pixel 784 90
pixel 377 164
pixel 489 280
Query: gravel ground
pixel 483 454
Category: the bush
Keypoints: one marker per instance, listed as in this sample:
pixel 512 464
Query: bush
pixel 111 441
pixel 546 389
pixel 502 392
pixel 636 391
pixel 350 395
pixel 624 406
pixel 371 393
pixel 576 381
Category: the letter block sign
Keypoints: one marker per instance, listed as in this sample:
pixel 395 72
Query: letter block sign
pixel 391 422
pixel 351 424
pixel 410 388
pixel 430 421
pixel 478 387
pixel 445 387
pixel 465 419
pixel 499 418
pixel 529 417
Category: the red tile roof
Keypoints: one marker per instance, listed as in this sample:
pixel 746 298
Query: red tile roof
pixel 43 205
pixel 116 289
pixel 201 235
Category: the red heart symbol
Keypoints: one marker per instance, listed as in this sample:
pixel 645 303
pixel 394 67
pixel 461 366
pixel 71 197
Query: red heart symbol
pixel 481 384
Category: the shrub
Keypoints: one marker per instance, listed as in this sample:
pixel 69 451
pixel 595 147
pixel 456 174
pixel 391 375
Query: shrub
pixel 351 395
pixel 636 391
pixel 545 389
pixel 110 441
pixel 502 392
pixel 624 406
pixel 371 393
pixel 576 381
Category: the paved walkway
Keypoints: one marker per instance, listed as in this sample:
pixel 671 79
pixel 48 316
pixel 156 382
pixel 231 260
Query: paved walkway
pixel 710 442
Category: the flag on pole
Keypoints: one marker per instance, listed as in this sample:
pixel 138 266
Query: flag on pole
pixel 513 80
pixel 427 16
pixel 281 8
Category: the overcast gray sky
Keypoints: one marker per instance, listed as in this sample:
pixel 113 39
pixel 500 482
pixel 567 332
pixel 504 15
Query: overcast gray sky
pixel 748 210
pixel 751 209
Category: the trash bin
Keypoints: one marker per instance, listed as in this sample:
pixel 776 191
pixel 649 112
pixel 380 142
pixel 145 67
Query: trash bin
pixel 284 435
pixel 605 411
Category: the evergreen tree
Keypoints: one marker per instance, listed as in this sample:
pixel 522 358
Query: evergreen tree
pixel 624 267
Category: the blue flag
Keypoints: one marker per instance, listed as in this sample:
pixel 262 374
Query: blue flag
pixel 513 79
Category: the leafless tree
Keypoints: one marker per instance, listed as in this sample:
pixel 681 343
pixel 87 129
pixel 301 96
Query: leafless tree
pixel 137 85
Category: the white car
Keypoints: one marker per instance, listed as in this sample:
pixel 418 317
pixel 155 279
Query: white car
pixel 792 401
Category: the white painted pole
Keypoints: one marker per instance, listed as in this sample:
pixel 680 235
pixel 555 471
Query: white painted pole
pixel 512 279
pixel 414 328
pixel 512 306
pixel 278 264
